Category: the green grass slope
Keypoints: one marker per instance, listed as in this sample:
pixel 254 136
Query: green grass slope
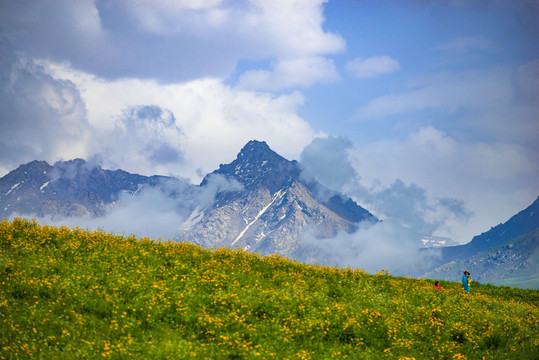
pixel 74 294
pixel 513 263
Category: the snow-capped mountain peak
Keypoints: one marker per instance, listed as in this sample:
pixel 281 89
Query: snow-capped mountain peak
pixel 257 164
pixel 273 209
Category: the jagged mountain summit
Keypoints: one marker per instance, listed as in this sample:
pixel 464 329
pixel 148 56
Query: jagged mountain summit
pixel 258 165
pixel 271 208
pixel 259 202
pixel 67 189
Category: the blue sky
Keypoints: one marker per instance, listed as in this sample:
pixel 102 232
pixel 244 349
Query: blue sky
pixel 433 105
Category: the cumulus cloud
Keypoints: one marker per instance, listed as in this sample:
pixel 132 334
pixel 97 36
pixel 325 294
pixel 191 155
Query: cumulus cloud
pixel 170 41
pixel 85 70
pixel 482 174
pixel 145 137
pixel 338 164
pixel 144 126
pixel 297 72
pixel 429 183
pixel 42 117
pixel 413 209
pixel 333 162
pixel 408 211
pixel 373 66
pixel 383 246
pixel 327 161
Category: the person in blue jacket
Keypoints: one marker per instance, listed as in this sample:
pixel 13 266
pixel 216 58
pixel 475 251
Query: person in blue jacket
pixel 466 280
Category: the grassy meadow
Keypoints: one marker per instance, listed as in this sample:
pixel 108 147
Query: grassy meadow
pixel 76 294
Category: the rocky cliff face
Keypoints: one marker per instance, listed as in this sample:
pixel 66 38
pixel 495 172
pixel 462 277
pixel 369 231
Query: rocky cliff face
pixel 273 208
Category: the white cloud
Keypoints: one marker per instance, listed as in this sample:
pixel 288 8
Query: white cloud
pixel 290 28
pixel 295 39
pixel 373 66
pixel 200 123
pixel 149 214
pixel 144 137
pixel 110 57
pixel 412 211
pixel 297 72
pixel 481 89
pixel 383 246
pixel 484 175
pixel 172 41
pixel 497 104
pixel 155 212
pixel 429 183
pixel 42 117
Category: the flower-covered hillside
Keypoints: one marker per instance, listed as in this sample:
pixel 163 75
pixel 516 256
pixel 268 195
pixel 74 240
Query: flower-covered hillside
pixel 71 294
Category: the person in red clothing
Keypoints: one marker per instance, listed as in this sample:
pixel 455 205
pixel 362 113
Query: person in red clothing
pixel 437 285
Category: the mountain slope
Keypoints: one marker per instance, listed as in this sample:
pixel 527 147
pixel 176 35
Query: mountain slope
pixel 66 189
pixel 76 294
pixel 273 209
pixel 522 223
pixel 513 263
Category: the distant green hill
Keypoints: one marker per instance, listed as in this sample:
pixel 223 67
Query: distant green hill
pixel 513 263
pixel 74 294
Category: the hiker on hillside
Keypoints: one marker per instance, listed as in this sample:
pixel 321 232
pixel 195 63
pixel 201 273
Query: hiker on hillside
pixel 466 281
pixel 437 285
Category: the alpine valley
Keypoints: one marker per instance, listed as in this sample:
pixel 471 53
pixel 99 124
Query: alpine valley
pixel 260 202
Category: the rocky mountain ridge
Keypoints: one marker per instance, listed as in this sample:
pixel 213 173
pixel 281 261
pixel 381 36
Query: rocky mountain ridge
pixel 258 202
pixel 274 208
pixel 521 223
pixel 67 189
pixel 515 263
pixel 506 254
